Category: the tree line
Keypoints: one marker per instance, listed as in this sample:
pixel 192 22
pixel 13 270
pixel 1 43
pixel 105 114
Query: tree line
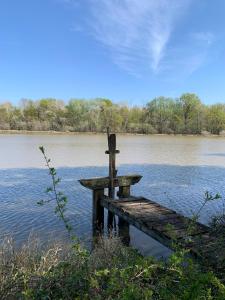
pixel 183 115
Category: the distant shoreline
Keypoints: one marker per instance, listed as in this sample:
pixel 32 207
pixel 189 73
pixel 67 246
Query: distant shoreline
pixel 46 132
pixel 52 132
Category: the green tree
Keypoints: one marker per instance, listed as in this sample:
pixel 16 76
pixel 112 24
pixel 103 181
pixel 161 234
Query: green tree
pixel 49 111
pixel 215 118
pixel 109 115
pixel 137 121
pixel 191 108
pixel 124 112
pixel 77 114
pixel 5 110
pixel 176 120
pixel 159 113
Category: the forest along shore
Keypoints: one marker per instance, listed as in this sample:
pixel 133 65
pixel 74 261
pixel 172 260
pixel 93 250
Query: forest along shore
pixel 162 115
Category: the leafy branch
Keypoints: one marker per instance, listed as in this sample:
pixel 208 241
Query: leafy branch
pixel 208 198
pixel 55 195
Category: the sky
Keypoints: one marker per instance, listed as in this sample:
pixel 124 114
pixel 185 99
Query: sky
pixel 126 50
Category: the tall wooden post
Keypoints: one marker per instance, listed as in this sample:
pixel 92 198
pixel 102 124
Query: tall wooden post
pixel 97 185
pixel 124 228
pixel 112 171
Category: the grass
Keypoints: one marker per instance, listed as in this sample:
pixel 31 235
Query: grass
pixel 110 271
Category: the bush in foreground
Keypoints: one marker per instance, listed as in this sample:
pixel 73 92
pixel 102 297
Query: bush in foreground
pixel 111 271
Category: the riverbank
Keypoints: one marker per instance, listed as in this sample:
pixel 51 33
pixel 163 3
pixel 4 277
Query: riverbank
pixel 52 132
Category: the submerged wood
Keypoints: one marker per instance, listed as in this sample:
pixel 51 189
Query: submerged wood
pixel 104 182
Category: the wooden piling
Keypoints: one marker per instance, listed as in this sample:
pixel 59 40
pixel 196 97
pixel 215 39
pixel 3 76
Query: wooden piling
pixel 123 225
pixel 112 173
pixel 97 185
pixel 97 212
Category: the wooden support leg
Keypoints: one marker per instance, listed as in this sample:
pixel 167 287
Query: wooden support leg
pixel 124 232
pixel 124 192
pixel 110 222
pixel 124 227
pixel 97 213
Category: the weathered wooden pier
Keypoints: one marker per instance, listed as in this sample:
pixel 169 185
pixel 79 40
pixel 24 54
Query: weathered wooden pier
pixel 161 223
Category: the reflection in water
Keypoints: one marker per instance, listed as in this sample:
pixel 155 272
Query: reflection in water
pixel 176 173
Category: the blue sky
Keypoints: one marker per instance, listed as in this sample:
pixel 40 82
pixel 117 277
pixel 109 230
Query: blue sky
pixel 126 50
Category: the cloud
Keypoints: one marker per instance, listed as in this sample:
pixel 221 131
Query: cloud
pixel 136 32
pixel 144 37
pixel 188 55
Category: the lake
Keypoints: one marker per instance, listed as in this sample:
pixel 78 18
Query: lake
pixel 177 171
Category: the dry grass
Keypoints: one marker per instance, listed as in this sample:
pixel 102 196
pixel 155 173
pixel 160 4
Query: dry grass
pixel 110 271
pixel 110 252
pixel 23 268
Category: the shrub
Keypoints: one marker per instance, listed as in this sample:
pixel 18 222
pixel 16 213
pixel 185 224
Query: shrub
pixel 111 271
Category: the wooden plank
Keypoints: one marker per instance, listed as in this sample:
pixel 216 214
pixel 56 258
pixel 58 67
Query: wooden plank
pixel 143 207
pixel 141 202
pixel 104 182
pixel 132 221
pixel 163 219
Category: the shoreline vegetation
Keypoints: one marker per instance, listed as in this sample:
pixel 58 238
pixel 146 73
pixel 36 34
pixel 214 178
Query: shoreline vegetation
pixel 184 115
pixel 53 132
pixel 110 271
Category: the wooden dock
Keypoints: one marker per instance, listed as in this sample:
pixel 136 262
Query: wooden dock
pixel 161 223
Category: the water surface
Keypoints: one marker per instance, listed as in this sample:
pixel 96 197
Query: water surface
pixel 176 173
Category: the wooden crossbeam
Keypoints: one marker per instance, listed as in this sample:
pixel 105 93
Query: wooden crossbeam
pixel 104 182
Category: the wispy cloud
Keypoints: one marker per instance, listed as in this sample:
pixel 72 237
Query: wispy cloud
pixel 145 35
pixel 136 31
pixel 191 54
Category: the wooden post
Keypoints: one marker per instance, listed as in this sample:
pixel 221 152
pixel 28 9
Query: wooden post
pixel 97 213
pixel 124 192
pixel 124 227
pixel 112 172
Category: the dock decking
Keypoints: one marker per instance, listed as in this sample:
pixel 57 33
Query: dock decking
pixel 162 224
